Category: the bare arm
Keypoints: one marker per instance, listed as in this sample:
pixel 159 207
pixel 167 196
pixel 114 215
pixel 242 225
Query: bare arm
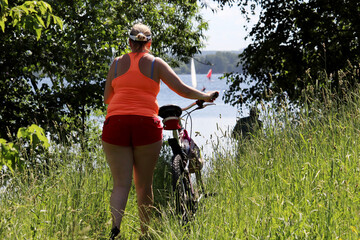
pixel 109 91
pixel 169 77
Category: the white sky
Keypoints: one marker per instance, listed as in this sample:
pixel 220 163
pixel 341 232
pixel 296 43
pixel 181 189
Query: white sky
pixel 226 29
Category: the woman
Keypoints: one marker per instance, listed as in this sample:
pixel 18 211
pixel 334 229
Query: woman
pixel 132 133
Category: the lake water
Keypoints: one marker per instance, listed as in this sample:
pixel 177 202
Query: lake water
pixel 212 122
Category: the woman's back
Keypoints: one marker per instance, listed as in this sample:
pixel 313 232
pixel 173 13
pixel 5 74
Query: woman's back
pixel 134 89
pixel 145 65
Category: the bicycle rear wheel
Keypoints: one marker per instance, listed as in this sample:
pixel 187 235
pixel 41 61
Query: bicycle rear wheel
pixel 185 201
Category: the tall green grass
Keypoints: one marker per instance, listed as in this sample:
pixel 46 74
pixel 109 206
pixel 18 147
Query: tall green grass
pixel 298 179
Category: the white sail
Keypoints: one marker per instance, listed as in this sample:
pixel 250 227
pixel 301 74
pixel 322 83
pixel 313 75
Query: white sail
pixel 193 74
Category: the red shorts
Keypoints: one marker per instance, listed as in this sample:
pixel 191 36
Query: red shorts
pixel 131 130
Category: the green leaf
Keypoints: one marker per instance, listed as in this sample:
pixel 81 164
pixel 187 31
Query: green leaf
pixel 9 155
pixel 38 33
pixel 15 22
pixel 47 6
pixel 44 6
pixel 23 133
pixel 2 23
pixel 25 9
pixel 42 10
pixel 58 21
pixel 48 20
pixel 10 165
pixel 40 135
pixel 40 20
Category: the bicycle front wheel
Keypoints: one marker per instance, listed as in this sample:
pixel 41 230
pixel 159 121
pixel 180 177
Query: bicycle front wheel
pixel 184 197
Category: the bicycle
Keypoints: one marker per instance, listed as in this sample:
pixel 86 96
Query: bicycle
pixel 186 159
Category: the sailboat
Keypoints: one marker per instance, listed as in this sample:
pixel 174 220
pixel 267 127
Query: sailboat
pixel 208 75
pixel 193 74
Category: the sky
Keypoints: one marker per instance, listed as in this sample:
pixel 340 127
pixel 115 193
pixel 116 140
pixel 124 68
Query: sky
pixel 226 29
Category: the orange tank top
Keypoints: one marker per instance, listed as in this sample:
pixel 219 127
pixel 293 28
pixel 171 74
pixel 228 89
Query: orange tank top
pixel 134 93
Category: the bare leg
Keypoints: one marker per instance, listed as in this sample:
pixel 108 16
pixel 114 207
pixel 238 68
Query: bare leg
pixel 145 158
pixel 120 160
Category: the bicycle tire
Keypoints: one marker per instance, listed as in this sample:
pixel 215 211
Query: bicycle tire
pixel 184 198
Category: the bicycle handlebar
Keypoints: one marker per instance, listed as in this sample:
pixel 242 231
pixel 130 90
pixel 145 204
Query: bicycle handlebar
pixel 200 103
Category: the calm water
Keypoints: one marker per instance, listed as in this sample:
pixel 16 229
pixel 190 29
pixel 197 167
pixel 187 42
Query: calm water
pixel 211 122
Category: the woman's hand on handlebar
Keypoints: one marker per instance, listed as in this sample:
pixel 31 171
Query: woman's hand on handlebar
pixel 211 96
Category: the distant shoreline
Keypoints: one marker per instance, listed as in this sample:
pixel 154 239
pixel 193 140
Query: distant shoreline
pixel 219 61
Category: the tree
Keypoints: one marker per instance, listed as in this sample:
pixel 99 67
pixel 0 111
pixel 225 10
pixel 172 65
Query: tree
pixel 295 42
pixel 31 15
pixel 58 80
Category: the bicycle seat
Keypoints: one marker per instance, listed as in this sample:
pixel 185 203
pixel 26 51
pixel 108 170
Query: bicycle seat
pixel 170 111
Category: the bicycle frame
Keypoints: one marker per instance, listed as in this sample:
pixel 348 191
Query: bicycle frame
pixel 185 152
pixel 180 136
pixel 181 143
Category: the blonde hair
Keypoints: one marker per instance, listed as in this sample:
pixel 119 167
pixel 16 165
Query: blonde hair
pixel 140 34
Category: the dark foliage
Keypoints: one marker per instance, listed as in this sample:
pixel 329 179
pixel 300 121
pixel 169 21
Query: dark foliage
pixel 295 44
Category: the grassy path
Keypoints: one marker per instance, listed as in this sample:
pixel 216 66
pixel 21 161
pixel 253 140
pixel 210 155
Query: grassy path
pixel 298 180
